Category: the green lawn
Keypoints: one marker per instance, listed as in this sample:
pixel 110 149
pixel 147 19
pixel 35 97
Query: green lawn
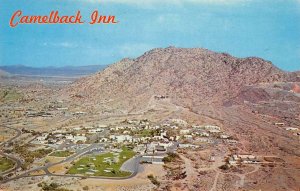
pixel 98 163
pixel 147 132
pixel 61 153
pixel 6 164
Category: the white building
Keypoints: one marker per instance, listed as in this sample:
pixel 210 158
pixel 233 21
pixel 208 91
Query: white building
pixel 70 137
pixel 153 159
pixel 214 131
pixel 102 126
pixel 204 134
pixel 232 161
pixel 184 131
pixel 88 127
pixel 121 138
pixel 246 156
pixel 79 138
pixel 102 140
pixel 156 137
pixel 212 127
pixel 188 146
pixel 77 128
pixel 60 131
pixel 292 129
pixel 224 136
pixel 120 128
pixel 204 140
pixel 179 122
pixel 231 141
pixel 42 137
pixel 163 134
pixel 93 131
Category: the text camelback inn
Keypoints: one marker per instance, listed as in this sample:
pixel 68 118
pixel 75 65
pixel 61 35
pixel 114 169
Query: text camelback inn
pixel 55 18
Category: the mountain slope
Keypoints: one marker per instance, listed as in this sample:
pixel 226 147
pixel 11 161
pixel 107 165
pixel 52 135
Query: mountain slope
pixel 188 76
pixel 244 96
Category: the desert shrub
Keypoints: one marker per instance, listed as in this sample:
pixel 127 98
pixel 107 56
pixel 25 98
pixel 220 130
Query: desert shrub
pixel 170 158
pixel 224 167
pixel 153 180
pixel 271 165
pixel 50 187
pixel 203 172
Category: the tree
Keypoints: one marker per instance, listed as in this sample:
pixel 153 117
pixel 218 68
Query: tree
pixel 153 180
pixel 24 166
pixel 224 167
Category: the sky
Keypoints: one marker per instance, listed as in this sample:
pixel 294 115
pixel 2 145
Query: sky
pixel 269 29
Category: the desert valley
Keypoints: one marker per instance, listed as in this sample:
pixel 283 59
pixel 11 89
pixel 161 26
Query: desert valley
pixel 172 119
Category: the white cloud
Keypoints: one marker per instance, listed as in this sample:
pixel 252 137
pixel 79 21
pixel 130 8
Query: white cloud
pixel 60 44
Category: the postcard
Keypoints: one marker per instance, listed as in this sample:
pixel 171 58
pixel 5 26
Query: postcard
pixel 153 95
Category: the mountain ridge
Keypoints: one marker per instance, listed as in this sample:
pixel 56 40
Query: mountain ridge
pixel 189 76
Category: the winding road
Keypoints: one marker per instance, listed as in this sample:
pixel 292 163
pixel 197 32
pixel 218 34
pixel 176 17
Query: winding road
pixel 17 161
pixel 19 132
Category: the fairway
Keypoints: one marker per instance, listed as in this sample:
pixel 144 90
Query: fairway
pixel 6 164
pixel 107 164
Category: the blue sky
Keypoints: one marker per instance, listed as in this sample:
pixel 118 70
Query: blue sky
pixel 267 29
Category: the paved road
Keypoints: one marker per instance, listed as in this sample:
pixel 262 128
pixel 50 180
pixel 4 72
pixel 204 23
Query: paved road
pixel 45 168
pixel 19 132
pixel 17 161
pixel 131 165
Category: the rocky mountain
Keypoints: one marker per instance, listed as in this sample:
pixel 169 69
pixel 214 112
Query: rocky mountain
pixel 296 88
pixel 188 77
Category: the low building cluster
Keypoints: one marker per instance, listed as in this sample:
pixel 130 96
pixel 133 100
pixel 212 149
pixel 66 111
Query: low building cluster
pixel 244 158
pixel 154 140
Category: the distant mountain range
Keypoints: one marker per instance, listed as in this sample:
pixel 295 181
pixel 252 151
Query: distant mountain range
pixel 66 71
pixel 3 73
